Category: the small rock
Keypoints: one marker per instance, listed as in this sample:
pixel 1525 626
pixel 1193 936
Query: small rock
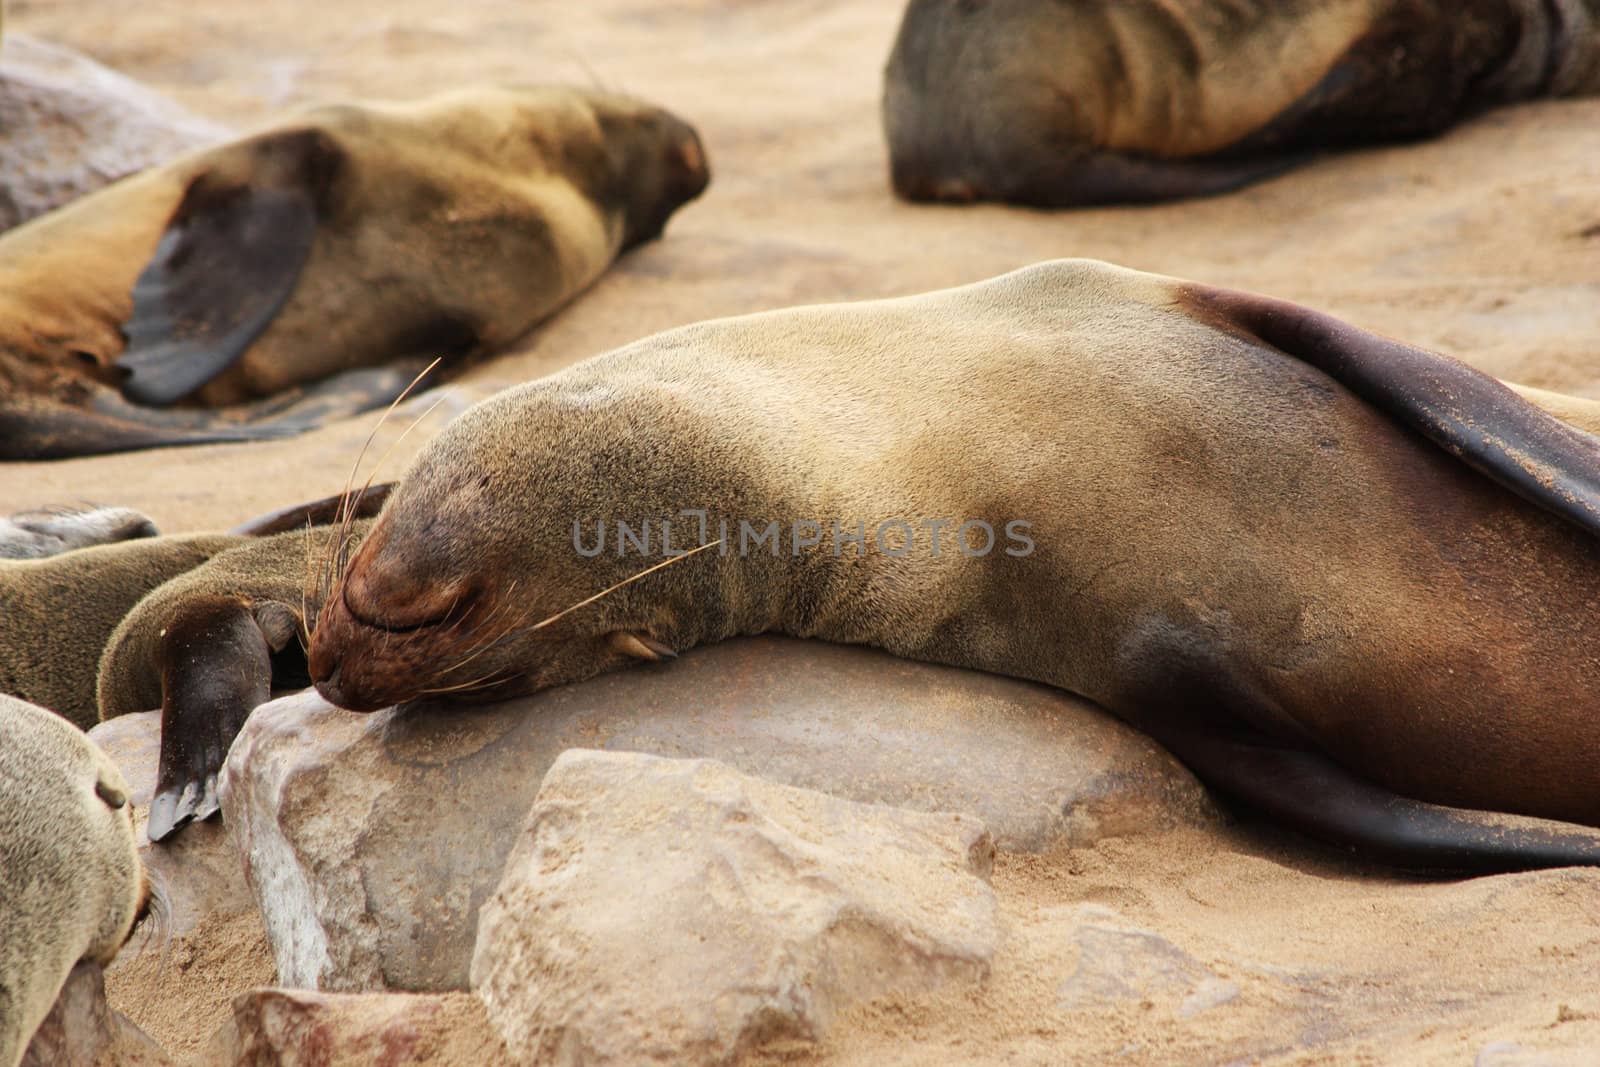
pixel 1120 964
pixel 83 1031
pixel 679 911
pixel 69 125
pixel 353 826
pixel 287 1027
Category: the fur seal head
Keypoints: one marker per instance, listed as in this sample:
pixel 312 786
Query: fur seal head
pixel 71 883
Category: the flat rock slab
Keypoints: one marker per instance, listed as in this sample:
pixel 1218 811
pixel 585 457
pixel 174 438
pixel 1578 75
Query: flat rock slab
pixel 285 1027
pixel 69 125
pixel 372 841
pixel 677 911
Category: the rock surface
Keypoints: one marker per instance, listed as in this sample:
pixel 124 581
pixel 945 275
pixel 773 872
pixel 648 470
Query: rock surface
pixel 293 1027
pixel 82 1030
pixel 69 125
pixel 352 826
pixel 677 911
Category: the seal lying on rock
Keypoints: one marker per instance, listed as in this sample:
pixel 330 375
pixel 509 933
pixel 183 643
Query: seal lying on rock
pixel 339 250
pixel 71 885
pixel 1054 103
pixel 1345 580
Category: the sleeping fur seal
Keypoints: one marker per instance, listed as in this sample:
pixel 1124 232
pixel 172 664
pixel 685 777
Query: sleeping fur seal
pixel 1349 582
pixel 71 885
pixel 1053 103
pixel 312 269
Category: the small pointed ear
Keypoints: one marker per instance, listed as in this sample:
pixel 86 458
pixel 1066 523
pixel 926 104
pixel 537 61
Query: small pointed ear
pixel 226 263
pixel 278 622
pixel 111 793
pixel 641 646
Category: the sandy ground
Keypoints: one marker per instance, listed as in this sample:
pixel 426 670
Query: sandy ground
pixel 1485 244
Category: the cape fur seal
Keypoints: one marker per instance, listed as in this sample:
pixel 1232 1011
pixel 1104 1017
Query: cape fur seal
pixel 58 613
pixel 71 885
pixel 1054 103
pixel 327 259
pixel 1256 532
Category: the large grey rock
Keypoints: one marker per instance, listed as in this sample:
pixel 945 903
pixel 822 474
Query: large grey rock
pixel 69 125
pixel 677 911
pixel 294 1028
pixel 82 1030
pixel 371 841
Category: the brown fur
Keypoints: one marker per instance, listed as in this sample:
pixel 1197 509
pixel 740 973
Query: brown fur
pixel 443 227
pixel 1234 550
pixel 57 613
pixel 70 878
pixel 1058 103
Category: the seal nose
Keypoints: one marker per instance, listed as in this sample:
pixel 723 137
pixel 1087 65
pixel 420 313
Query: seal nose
pixel 329 686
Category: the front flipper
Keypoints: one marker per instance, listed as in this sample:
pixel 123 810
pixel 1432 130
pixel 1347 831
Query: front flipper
pixel 216 668
pixel 1470 415
pixel 226 264
pixel 1310 793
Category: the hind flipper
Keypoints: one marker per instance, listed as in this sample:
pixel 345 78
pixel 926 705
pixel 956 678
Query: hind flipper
pixel 1310 793
pixel 36 432
pixel 1102 178
pixel 226 264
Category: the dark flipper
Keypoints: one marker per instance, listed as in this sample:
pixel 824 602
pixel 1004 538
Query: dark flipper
pixel 229 259
pixel 324 512
pixel 1310 793
pixel 1464 411
pixel 1099 178
pixel 42 430
pixel 1109 178
pixel 216 668
pixel 35 431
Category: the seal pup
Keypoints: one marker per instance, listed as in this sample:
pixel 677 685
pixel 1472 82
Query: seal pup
pixel 71 885
pixel 57 613
pixel 309 271
pixel 1054 104
pixel 1347 581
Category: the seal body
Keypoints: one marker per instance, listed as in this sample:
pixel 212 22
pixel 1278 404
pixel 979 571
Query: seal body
pixel 1061 102
pixel 1243 539
pixel 321 262
pixel 71 885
